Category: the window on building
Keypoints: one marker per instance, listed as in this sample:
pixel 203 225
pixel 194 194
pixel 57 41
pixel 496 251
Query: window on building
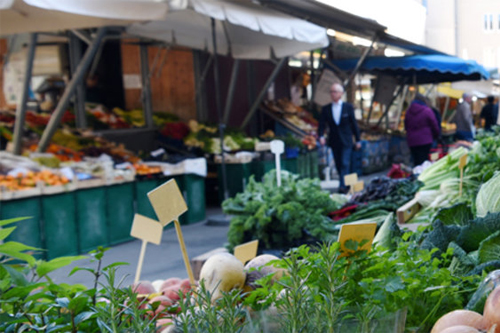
pixel 488 22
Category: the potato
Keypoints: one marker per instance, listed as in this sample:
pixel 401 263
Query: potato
pixel 262 269
pixel 222 272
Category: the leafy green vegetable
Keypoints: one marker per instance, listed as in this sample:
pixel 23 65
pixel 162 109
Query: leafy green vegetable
pixel 488 198
pixel 476 230
pixel 280 217
pixel 440 236
pixel 459 214
pixel 387 233
pixel 489 249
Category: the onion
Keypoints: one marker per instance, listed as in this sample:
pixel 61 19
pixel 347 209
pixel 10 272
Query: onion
pixel 457 318
pixel 492 309
pixel 460 329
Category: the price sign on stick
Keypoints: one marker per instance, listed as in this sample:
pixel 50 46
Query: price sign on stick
pixel 358 187
pixel 350 180
pixel 461 165
pixel 168 204
pixel 246 251
pixel 147 230
pixel 434 157
pixel 357 232
pixel 277 148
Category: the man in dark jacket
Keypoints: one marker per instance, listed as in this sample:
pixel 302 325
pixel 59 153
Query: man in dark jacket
pixel 339 117
pixel 489 113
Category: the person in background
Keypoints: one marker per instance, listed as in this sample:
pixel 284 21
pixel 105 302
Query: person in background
pixel 437 114
pixel 463 119
pixel 339 117
pixel 421 129
pixel 489 113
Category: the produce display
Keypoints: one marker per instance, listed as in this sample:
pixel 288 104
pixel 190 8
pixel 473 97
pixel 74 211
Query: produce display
pixel 295 115
pixel 31 179
pixel 280 217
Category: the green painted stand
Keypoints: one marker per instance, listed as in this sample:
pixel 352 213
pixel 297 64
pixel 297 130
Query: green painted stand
pixel 27 231
pixel 120 212
pixel 91 218
pixel 59 225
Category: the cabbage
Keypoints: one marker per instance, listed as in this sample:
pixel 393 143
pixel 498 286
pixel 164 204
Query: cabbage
pixel 488 198
pixel 425 198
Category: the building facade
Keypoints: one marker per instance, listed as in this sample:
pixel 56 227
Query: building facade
pixel 469 29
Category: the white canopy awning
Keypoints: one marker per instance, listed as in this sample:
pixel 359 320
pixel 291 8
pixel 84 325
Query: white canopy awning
pixel 243 29
pixel 21 16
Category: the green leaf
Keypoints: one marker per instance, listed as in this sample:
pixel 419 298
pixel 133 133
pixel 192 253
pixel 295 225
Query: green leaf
pixel 77 269
pixel 5 232
pixel 351 245
pixel 63 302
pixel 477 230
pixel 459 214
pixel 18 278
pixel 9 221
pixel 15 250
pixel 489 249
pixel 48 266
pixel 83 317
pixel 115 264
pixel 78 304
pixel 394 284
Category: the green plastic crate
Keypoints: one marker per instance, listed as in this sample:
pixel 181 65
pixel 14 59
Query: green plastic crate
pixel 91 218
pixel 143 206
pixel 193 190
pixel 290 164
pixel 313 164
pixel 120 212
pixel 27 231
pixel 59 225
pixel 237 175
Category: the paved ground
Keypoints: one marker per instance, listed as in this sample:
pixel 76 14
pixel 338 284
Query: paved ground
pixel 165 260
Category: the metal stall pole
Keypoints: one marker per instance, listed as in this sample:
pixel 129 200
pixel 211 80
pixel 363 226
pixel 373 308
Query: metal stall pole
pixel 146 86
pixel 400 104
pixel 371 105
pixel 230 92
pixel 21 106
pixel 200 91
pixel 386 112
pixel 55 119
pixel 219 112
pixel 75 56
pixel 360 62
pixel 259 98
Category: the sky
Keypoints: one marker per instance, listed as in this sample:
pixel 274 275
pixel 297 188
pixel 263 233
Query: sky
pixel 405 19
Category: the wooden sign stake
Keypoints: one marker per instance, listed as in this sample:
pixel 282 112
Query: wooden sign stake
pixel 246 251
pixel 147 230
pixel 168 204
pixel 350 180
pixel 461 165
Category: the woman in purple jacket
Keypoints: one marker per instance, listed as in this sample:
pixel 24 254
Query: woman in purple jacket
pixel 421 129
